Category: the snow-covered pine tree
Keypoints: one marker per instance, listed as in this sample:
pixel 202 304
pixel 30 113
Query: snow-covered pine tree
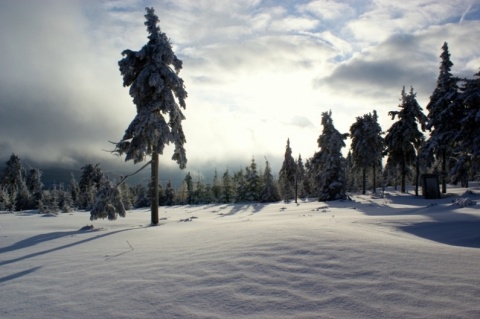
pixel 126 196
pixel 240 186
pixel 286 176
pixel 108 203
pixel 90 182
pixel 74 190
pixel 34 186
pixel 367 146
pixel 4 199
pixel 328 164
pixel 65 202
pixel 161 195
pixel 152 74
pixel 142 197
pixel 14 183
pixel 444 114
pixel 169 194
pixel 466 156
pixel 188 180
pixel 300 178
pixel 269 191
pixel 308 180
pixel 252 180
pixel 404 138
pixel 199 192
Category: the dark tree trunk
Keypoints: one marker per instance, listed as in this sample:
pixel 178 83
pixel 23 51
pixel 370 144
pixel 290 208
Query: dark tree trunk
pixel 444 171
pixel 374 178
pixel 154 204
pixel 417 174
pixel 364 180
pixel 404 173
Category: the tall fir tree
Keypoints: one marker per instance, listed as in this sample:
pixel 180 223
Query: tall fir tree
pixel 328 164
pixel 286 176
pixel 404 138
pixel 444 114
pixel 152 74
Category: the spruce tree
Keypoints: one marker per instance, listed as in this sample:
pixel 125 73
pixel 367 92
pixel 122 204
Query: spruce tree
pixel 108 203
pixel 240 186
pixel 142 197
pixel 65 201
pixel 126 196
pixel 169 194
pixel 252 180
pixel 74 190
pixel 189 186
pixel 404 138
pixel 300 178
pixel 14 183
pixel 90 181
pixel 328 164
pixel 269 192
pixel 367 146
pixel 466 156
pixel 444 114
pixel 286 176
pixel 34 186
pixel 158 94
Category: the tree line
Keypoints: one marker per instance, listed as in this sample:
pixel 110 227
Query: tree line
pixel 445 141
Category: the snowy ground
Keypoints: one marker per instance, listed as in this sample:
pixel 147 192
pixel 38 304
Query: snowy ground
pixel 392 257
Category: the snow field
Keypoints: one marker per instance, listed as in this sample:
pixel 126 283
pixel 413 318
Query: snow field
pixel 393 257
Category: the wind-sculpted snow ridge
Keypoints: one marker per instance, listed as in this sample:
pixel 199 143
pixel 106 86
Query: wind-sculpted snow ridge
pixel 393 256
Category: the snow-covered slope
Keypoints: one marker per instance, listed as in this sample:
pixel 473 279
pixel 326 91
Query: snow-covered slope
pixel 396 256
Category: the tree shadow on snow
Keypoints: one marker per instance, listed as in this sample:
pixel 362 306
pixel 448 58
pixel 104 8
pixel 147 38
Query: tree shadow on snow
pixel 234 209
pixel 394 203
pixel 455 233
pixel 39 239
pixel 18 274
pixel 449 224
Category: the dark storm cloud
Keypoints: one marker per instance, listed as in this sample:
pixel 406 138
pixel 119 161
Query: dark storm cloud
pixel 54 88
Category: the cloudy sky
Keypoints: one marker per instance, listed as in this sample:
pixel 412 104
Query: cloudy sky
pixel 257 72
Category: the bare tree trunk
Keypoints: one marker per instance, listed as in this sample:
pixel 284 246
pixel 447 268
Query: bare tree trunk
pixel 374 178
pixel 154 204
